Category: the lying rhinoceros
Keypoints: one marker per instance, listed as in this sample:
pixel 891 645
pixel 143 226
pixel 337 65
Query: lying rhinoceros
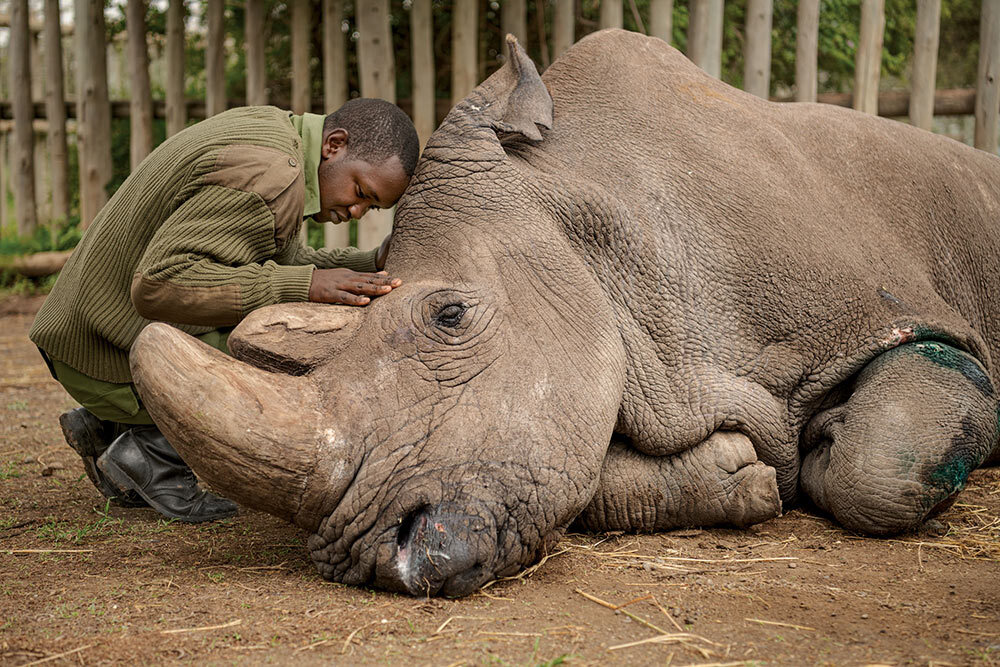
pixel 634 297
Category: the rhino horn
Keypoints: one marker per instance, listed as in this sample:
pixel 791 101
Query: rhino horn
pixel 294 338
pixel 513 101
pixel 257 437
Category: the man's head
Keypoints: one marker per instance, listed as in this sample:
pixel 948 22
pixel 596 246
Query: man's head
pixel 369 152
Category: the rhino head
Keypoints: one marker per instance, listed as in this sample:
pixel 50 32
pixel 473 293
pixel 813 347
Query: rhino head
pixel 446 434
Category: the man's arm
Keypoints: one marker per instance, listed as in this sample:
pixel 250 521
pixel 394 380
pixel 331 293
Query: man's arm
pixel 210 262
pixel 362 261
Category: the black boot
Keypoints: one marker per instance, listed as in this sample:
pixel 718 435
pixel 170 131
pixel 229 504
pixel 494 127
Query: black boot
pixel 143 461
pixel 90 436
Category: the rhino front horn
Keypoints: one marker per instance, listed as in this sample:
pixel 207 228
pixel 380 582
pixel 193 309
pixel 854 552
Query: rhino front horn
pixel 255 436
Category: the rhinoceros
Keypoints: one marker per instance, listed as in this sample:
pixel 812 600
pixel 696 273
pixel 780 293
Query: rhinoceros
pixel 635 298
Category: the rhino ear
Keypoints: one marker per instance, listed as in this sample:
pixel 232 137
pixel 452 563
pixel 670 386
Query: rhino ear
pixel 518 102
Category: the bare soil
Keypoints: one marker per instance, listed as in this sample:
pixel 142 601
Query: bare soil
pixel 82 582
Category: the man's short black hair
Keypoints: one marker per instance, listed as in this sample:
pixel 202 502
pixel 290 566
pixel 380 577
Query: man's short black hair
pixel 376 130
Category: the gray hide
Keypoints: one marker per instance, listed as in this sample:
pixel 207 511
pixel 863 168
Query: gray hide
pixel 647 301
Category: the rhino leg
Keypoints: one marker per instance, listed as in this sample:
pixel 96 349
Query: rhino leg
pixel 719 481
pixel 920 418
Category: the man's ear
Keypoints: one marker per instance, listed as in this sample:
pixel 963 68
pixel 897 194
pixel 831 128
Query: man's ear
pixel 334 143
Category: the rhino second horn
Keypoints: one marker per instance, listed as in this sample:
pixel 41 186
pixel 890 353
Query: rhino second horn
pixel 257 437
pixel 293 338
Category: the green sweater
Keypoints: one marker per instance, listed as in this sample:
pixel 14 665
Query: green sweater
pixel 203 232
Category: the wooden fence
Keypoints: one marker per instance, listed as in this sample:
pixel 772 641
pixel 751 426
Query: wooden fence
pixel 91 112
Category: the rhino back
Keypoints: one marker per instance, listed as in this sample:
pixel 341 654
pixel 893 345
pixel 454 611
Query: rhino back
pixel 775 248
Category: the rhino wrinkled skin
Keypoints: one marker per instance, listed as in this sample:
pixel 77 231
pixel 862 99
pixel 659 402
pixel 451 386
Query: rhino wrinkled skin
pixel 635 298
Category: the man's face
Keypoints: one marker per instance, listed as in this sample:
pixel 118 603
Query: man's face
pixel 348 187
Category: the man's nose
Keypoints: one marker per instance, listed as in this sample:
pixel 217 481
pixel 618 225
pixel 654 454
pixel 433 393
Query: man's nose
pixel 358 210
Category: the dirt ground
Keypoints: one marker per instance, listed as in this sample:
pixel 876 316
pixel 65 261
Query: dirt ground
pixel 86 583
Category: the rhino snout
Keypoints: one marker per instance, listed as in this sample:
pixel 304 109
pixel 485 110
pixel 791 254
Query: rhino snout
pixel 440 549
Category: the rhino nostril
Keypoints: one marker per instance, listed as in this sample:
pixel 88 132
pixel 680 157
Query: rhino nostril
pixel 410 524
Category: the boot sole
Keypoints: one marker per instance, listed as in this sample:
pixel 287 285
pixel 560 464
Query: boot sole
pixel 118 476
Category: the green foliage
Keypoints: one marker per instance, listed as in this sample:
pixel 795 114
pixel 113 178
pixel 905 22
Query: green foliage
pixel 63 236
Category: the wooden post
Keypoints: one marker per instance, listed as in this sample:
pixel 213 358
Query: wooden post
pixel 23 163
pixel 176 108
pixel 806 51
pixel 661 15
pixel 514 20
pixel 334 56
pixel 422 46
pixel 868 61
pixel 93 109
pixel 334 94
pixel 377 68
pixel 255 45
pixel 611 14
pixel 300 55
pixel 376 65
pixel 43 177
pixel 563 22
pixel 35 54
pixel 705 35
pixel 757 54
pixel 4 173
pixel 215 63
pixel 141 103
pixel 55 112
pixel 925 52
pixel 988 77
pixel 464 43
pixel 540 32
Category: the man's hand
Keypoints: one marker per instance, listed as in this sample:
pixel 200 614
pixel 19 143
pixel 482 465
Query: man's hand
pixel 349 287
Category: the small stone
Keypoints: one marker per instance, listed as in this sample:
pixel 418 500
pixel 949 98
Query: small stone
pixel 688 620
pixel 792 566
pixel 864 616
pixel 48 470
pixel 647 566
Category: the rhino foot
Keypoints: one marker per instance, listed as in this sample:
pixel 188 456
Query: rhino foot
pixel 718 482
pixel 918 420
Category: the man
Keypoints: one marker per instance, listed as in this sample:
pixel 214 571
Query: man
pixel 203 232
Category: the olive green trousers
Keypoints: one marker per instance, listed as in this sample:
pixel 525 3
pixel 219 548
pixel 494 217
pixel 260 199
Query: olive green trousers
pixel 112 401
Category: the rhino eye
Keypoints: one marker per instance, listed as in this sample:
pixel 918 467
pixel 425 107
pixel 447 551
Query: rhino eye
pixel 450 316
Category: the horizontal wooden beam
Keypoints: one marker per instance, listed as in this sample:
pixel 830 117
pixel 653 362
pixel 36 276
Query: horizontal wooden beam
pixel 892 103
pixel 895 103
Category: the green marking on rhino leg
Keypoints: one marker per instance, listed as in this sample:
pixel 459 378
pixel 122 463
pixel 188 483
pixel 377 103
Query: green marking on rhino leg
pixel 947 479
pixel 964 456
pixel 950 475
pixel 949 357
